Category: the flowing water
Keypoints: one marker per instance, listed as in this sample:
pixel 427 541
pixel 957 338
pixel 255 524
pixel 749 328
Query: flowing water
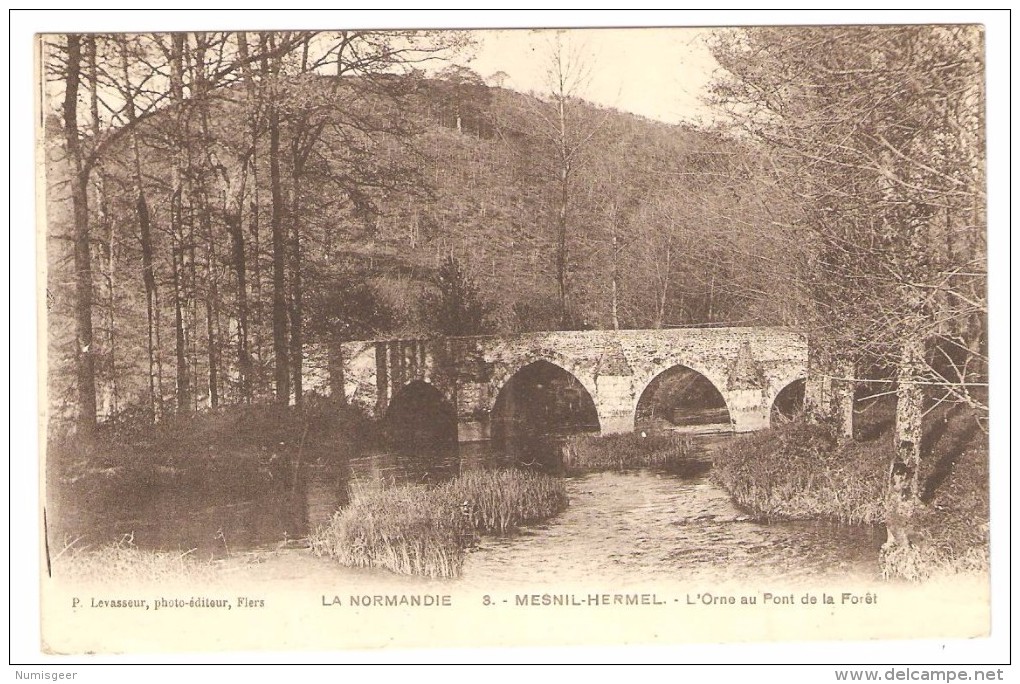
pixel 624 528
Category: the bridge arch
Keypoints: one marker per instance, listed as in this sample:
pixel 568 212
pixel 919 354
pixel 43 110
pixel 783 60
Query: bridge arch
pixel 787 398
pixel 677 377
pixel 544 396
pixel 419 414
pixel 503 372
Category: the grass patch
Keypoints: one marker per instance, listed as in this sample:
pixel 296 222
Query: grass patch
pixel 418 530
pixel 123 563
pixel 411 530
pixel 628 451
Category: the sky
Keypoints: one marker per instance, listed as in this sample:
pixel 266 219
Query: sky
pixel 660 73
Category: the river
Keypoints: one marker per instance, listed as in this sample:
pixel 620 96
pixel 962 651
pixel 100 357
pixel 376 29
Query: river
pixel 622 528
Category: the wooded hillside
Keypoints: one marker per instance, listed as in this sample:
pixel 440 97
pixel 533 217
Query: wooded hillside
pixel 224 200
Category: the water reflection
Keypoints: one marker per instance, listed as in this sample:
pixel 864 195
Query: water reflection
pixel 625 527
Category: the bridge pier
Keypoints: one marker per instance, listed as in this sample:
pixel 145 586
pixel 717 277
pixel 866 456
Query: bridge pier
pixel 747 409
pixel 614 400
pixel 474 429
pixel 616 424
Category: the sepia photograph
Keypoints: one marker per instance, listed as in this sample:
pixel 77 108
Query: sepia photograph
pixel 391 337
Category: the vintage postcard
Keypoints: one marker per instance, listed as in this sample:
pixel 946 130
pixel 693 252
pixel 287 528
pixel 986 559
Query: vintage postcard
pixel 442 338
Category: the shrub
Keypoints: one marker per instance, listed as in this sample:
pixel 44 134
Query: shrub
pixel 798 471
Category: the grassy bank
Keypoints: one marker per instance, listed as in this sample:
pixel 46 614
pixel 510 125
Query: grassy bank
pixel 797 471
pixel 418 530
pixel 627 451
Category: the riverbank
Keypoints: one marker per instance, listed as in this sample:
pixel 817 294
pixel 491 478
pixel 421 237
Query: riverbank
pixel 798 471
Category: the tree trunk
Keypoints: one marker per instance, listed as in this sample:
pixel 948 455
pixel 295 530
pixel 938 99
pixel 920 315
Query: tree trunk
pixel 660 310
pixel 111 284
pixel 336 374
pixel 84 353
pixel 106 224
pixel 616 280
pixel 711 298
pixel 903 496
pixel 212 295
pixel 181 346
pixel 561 247
pixel 843 400
pixel 151 306
pixel 280 314
pixel 296 309
pixel 233 216
pixel 257 310
pixel 238 259
pixel 212 307
pixel 180 248
pixel 148 260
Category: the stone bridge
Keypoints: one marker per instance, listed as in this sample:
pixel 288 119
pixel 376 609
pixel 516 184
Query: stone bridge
pixel 748 366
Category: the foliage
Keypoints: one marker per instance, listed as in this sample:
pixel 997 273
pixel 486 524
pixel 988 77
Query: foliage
pixel 241 446
pixel 233 168
pixel 377 188
pixel 456 308
pixel 343 307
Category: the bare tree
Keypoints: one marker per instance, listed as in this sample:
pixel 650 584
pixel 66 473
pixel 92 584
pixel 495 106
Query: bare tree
pixel 567 75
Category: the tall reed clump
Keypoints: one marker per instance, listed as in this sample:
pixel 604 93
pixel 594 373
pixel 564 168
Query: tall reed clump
pixel 418 530
pixel 497 501
pixel 626 451
pixel 411 530
pixel 797 471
